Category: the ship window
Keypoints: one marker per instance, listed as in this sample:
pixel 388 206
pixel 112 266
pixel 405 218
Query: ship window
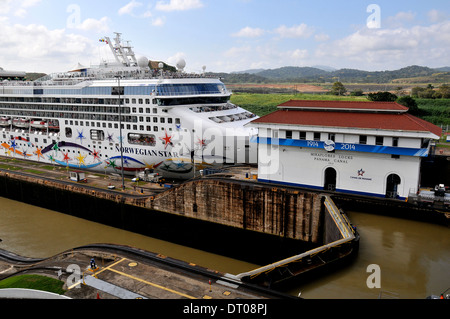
pixel 68 132
pixel 155 128
pixel 155 110
pixel 170 120
pixel 155 120
pixel 141 110
pixel 177 121
pixel 147 101
pixel 133 101
pixel 118 90
pixel 142 139
pixel 163 120
pixel 141 101
pixel 97 135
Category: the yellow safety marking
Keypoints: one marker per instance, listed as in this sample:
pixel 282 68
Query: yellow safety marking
pixel 207 297
pixel 107 268
pixel 227 293
pixel 81 281
pixel 152 284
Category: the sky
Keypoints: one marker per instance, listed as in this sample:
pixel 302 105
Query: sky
pixel 227 36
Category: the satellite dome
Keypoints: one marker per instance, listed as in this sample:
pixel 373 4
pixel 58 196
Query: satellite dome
pixel 181 64
pixel 143 62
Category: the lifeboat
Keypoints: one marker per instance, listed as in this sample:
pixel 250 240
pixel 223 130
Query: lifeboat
pixel 5 121
pixel 21 122
pixel 39 124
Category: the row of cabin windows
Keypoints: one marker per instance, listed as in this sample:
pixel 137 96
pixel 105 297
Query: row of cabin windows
pixel 379 140
pixel 161 120
pixel 140 101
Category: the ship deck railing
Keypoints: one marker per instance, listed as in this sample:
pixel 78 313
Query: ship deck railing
pixel 69 80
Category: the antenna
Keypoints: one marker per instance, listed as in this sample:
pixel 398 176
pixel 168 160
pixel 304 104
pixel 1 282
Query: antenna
pixel 123 54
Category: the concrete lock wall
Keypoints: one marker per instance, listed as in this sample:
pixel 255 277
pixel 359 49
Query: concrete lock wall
pixel 285 213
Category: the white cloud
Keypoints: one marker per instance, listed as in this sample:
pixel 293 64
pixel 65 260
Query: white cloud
pixel 128 8
pixel 35 48
pixel 400 19
pixel 158 22
pixel 296 31
pixel 436 16
pixel 322 37
pixel 95 25
pixel 249 32
pixel 19 7
pixel 178 5
pixel 387 48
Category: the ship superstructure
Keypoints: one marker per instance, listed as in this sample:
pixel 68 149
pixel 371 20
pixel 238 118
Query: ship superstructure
pixel 123 116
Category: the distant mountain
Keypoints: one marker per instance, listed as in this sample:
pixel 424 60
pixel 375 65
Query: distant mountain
pixel 443 69
pixel 319 75
pixel 292 72
pixel 251 71
pixel 325 68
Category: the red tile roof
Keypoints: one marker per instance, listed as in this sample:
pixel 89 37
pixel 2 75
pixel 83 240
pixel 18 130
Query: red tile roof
pixel 349 119
pixel 348 105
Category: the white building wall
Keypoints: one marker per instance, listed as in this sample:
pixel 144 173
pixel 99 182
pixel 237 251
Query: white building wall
pixel 306 167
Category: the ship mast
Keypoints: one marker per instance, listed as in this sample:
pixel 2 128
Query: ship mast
pixel 123 54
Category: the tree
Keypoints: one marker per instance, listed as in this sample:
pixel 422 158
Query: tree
pixel 382 97
pixel 410 103
pixel 338 89
pixel 357 92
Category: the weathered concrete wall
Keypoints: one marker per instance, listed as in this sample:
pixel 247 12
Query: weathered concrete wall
pixel 274 211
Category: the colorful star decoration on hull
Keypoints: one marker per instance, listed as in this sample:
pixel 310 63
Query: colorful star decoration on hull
pixel 38 153
pixel 167 140
pixel 81 159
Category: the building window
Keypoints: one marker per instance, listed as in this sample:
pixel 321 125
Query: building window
pixel 316 136
pixel 363 139
pixel 395 141
pixel 379 140
pixel 303 136
pixel 332 137
pixel 289 135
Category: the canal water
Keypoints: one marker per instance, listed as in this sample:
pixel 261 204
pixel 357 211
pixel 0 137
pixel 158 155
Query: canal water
pixel 413 258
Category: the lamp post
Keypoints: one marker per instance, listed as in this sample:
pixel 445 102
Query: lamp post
pixel 120 128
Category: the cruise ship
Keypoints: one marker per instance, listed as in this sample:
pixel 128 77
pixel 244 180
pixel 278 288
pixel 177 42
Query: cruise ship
pixel 123 116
